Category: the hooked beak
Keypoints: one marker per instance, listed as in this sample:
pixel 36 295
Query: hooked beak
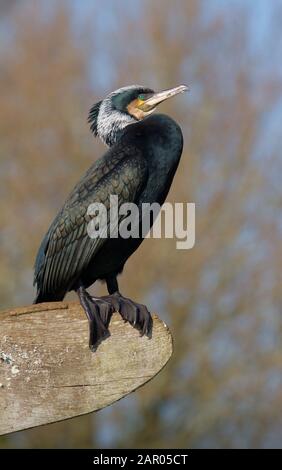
pixel 158 98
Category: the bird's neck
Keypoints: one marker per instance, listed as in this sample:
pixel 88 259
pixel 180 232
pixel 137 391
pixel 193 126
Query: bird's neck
pixel 111 123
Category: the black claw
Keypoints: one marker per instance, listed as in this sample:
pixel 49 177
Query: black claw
pixel 97 334
pixel 136 314
pixel 147 320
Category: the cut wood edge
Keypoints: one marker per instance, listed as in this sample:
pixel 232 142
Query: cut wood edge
pixel 48 373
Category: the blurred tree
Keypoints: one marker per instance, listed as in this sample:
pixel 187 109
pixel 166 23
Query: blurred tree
pixel 223 298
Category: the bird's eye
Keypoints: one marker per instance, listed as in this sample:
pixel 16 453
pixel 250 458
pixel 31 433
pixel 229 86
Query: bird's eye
pixel 141 97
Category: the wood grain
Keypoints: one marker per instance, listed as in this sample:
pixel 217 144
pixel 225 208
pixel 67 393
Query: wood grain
pixel 48 373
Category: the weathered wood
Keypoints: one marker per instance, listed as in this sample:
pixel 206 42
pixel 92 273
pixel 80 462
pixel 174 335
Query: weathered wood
pixel 47 372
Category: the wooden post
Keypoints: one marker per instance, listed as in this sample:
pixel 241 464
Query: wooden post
pixel 48 373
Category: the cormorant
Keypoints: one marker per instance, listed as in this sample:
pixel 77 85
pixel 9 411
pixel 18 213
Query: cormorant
pixel 139 166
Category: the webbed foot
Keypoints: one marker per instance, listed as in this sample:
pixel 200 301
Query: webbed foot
pixel 99 314
pixel 136 314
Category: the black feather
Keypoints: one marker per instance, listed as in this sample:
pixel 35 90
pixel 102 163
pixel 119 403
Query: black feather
pixel 93 117
pixel 138 168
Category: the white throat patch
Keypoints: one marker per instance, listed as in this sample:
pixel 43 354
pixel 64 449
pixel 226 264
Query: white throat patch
pixel 110 120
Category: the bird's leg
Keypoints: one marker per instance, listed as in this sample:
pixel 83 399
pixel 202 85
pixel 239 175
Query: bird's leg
pixel 98 314
pixel 136 314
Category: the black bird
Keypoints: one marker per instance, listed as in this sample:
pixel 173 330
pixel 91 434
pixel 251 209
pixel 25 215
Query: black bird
pixel 139 166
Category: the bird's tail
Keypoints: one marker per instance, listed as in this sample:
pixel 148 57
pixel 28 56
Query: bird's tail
pixel 47 297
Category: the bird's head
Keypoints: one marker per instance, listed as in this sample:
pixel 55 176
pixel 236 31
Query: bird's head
pixel 125 106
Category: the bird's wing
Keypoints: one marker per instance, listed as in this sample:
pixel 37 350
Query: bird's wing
pixel 67 248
